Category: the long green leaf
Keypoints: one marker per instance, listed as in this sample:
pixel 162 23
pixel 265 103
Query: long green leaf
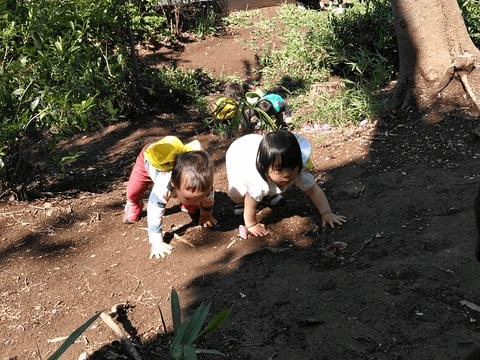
pixel 216 322
pixel 175 303
pixel 73 337
pixel 189 353
pixel 177 343
pixel 205 351
pixel 195 324
pixel 263 116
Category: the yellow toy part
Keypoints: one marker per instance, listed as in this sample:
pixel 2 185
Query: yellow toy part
pixel 225 108
pixel 162 154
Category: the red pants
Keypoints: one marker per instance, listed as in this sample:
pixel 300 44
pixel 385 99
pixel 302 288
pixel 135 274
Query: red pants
pixel 139 180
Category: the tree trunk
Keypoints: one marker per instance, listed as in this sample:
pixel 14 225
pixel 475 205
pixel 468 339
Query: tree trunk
pixel 439 63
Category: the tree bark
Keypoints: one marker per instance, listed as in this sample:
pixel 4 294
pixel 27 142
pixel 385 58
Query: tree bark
pixel 435 52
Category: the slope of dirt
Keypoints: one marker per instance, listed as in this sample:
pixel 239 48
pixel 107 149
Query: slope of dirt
pixel 397 281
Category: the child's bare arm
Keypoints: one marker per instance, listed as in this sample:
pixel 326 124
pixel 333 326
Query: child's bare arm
pixel 321 202
pixel 206 211
pixel 206 217
pixel 250 217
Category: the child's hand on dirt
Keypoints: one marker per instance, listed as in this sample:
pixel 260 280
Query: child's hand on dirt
pixel 159 248
pixel 333 219
pixel 257 230
pixel 207 220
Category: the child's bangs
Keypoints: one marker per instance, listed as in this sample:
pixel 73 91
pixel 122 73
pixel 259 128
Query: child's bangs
pixel 285 160
pixel 196 182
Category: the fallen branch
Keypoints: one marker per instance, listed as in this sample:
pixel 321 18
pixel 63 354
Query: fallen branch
pixel 468 89
pixel 122 334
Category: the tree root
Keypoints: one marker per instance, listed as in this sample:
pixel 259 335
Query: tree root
pixel 468 89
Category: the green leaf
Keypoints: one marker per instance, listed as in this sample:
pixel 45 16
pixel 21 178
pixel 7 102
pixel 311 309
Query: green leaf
pixel 252 97
pixel 177 343
pixel 195 324
pixel 34 104
pixel 175 303
pixel 216 322
pixel 59 45
pixel 205 351
pixel 19 92
pixel 189 353
pixel 73 337
pixel 265 118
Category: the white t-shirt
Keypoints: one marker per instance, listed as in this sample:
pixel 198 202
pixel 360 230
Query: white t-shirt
pixel 243 177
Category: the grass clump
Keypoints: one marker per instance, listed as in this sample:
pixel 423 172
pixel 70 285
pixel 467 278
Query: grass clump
pixel 355 47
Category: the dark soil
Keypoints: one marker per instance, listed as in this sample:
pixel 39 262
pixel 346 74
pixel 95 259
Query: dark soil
pixel 397 281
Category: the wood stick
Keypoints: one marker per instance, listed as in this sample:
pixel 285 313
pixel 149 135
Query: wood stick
pixel 122 334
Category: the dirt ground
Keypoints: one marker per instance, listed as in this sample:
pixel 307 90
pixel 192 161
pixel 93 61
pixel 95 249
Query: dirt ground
pixel 397 281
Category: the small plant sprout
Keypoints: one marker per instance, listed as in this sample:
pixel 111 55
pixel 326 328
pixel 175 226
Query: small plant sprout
pixel 186 334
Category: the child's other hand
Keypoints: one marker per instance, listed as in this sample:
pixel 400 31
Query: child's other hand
pixel 257 230
pixel 333 219
pixel 207 221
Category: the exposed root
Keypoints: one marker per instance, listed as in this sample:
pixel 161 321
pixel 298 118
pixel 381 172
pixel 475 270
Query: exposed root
pixel 468 89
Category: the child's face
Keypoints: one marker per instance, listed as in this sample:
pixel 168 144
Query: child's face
pixel 189 196
pixel 282 177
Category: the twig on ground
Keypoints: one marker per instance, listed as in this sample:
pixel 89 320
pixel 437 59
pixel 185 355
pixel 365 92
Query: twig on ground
pixel 470 305
pixel 181 239
pixel 122 334
pixel 163 320
pixel 136 288
pixel 365 243
pixel 57 339
pixel 116 308
pixel 231 243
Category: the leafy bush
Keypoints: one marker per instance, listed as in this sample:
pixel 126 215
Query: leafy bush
pixel 67 65
pixel 471 15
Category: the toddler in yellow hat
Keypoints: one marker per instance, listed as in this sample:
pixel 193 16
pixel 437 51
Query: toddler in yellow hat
pixel 179 171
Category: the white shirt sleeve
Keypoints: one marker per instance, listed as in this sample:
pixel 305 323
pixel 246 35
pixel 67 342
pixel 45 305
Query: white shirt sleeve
pixel 158 198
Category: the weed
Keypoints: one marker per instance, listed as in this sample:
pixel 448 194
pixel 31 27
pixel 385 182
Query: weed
pixel 188 332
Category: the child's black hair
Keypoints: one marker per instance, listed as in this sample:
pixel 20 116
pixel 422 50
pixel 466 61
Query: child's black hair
pixel 234 90
pixel 267 106
pixel 278 149
pixel 199 169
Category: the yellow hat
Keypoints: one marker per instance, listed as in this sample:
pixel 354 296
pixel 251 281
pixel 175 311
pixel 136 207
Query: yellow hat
pixel 162 154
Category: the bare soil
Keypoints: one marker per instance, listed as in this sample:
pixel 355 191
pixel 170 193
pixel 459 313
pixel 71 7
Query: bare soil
pixel 397 281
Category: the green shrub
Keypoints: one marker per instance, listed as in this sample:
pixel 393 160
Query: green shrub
pixel 67 65
pixel 471 15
